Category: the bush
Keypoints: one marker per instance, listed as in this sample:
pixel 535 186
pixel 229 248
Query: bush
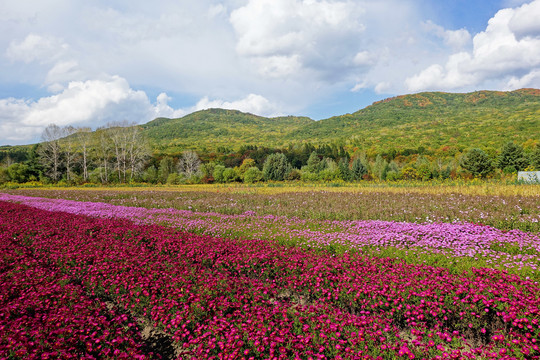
pixel 174 179
pixel 230 175
pixel 294 174
pixel 253 175
pixel 309 176
pixel 392 175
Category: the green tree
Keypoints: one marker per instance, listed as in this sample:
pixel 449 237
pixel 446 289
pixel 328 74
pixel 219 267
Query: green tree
pixel 150 175
pixel 230 175
pixel 166 167
pixel 358 169
pixel 18 172
pixel 4 175
pixel 246 165
pixel 512 156
pixel 313 162
pixel 344 171
pixel 535 157
pixel 217 174
pixel 477 162
pixel 276 167
pixel 380 168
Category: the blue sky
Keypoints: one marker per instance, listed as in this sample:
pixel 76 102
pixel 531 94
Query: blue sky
pixel 83 63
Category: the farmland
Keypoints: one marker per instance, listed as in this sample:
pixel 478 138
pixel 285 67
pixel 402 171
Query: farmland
pixel 271 273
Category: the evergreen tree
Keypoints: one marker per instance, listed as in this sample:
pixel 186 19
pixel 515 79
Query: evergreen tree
pixel 512 158
pixel 358 169
pixel 344 170
pixel 535 158
pixel 276 167
pixel 477 162
pixel 313 162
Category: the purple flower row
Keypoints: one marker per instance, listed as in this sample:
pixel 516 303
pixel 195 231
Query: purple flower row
pixel 450 239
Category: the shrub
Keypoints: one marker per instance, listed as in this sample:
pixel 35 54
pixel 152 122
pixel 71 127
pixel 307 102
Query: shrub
pixel 253 175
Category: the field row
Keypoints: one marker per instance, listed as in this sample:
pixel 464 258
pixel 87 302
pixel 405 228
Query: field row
pixel 496 206
pixel 457 246
pixel 226 299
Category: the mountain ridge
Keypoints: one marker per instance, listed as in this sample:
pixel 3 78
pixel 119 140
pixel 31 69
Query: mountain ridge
pixel 428 119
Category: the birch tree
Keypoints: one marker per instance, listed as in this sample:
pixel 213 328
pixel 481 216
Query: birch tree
pixel 130 149
pixel 51 151
pixel 69 148
pixel 189 164
pixel 84 140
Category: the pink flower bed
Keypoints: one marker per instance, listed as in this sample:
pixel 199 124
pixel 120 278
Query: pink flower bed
pixel 450 239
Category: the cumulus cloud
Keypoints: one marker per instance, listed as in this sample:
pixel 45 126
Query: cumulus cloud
pixel 253 103
pixel 88 103
pixel 162 108
pixel 504 50
pixel 286 36
pixel 525 21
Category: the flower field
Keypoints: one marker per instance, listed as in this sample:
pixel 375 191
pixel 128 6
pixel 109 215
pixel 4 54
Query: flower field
pixel 96 280
pixel 457 246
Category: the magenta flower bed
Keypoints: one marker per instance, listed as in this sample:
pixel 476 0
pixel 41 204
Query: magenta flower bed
pixel 218 298
pixel 44 314
pixel 451 239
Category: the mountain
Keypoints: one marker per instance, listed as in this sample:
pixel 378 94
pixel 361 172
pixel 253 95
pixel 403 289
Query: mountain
pixel 435 119
pixel 429 119
pixel 218 127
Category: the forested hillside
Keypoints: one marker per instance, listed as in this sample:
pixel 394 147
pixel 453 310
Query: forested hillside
pixel 217 127
pixel 432 120
pixel 436 119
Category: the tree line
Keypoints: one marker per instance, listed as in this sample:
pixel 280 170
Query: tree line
pixel 120 153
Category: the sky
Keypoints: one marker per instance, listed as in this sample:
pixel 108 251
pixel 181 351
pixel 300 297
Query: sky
pixel 90 63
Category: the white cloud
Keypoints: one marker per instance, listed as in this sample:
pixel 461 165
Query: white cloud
pixel 162 108
pixel 525 21
pixel 383 87
pixel 43 49
pixel 90 103
pixel 502 51
pixel 364 58
pixel 532 79
pixel 254 104
pixel 216 10
pixel 288 36
pixel 61 73
pixel 456 39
